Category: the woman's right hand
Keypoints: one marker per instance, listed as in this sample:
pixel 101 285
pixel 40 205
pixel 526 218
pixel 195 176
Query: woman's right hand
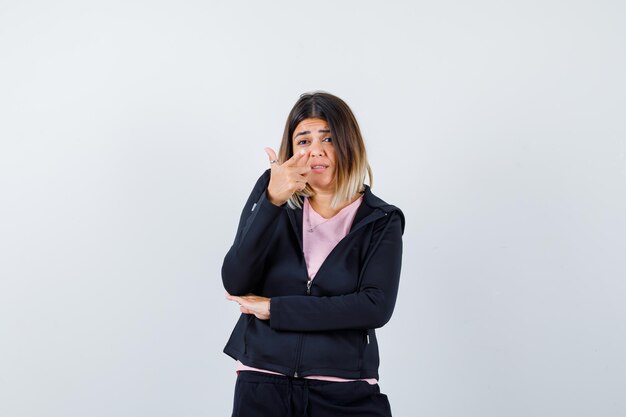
pixel 288 177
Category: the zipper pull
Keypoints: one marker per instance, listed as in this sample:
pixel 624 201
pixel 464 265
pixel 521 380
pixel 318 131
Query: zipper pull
pixel 308 286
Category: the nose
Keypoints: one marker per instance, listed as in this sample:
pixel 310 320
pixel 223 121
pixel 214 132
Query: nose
pixel 316 149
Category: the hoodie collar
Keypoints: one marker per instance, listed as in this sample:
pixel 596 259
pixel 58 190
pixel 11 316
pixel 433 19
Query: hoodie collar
pixel 372 208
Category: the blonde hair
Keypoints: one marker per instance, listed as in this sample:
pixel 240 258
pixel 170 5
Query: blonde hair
pixel 352 166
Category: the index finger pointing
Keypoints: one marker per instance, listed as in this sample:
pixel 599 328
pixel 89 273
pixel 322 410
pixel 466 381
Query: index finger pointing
pixel 304 160
pixel 296 157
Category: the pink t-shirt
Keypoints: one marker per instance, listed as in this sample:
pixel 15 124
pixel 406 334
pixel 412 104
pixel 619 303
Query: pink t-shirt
pixel 319 237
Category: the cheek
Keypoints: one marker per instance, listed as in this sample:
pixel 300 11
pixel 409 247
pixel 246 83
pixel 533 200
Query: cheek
pixel 331 155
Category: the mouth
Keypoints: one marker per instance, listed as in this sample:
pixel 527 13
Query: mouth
pixel 318 167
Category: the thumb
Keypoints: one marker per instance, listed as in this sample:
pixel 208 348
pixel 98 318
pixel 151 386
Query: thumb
pixel 271 154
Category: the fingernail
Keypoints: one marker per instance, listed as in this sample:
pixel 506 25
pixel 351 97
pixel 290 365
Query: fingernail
pixel 302 151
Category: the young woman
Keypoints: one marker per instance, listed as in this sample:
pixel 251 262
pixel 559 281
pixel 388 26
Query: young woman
pixel 315 267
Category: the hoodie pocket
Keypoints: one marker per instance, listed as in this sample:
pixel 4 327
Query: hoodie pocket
pixel 341 349
pixel 249 317
pixel 267 346
pixel 364 343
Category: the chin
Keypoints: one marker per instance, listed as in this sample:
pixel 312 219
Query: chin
pixel 321 185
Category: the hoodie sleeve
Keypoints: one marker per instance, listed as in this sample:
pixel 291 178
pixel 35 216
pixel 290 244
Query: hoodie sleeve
pixel 369 307
pixel 245 260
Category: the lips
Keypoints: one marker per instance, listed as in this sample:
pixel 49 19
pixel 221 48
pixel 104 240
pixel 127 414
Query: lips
pixel 319 168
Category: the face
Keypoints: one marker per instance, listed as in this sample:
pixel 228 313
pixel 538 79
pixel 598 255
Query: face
pixel 314 135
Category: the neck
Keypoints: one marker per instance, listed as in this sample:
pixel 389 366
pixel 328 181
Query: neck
pixel 321 203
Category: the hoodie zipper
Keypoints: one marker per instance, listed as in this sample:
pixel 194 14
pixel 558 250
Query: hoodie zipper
pixel 371 218
pixel 301 339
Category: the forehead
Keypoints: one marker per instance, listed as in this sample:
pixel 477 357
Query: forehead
pixel 312 125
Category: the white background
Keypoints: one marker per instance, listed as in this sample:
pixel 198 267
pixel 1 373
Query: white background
pixel 132 132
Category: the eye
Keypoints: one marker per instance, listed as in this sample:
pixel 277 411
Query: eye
pixel 327 140
pixel 301 142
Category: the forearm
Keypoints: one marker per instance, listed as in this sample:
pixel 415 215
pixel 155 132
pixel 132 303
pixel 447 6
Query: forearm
pixel 244 262
pixel 363 310
pixel 371 306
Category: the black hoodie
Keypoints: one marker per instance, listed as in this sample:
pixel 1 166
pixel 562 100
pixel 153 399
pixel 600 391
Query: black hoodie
pixel 323 327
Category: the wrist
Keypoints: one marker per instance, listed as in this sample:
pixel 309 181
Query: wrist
pixel 274 200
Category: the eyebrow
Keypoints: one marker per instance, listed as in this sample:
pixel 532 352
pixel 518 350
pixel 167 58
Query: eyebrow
pixel 307 132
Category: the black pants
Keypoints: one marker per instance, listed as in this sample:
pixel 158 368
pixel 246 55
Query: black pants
pixel 264 395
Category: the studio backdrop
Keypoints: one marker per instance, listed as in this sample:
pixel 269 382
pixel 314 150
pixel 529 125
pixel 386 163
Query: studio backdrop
pixel 131 133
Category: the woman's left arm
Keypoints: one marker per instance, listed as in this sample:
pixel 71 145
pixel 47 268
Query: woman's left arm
pixel 368 308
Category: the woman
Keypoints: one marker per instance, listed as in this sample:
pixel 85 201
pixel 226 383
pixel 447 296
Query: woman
pixel 315 268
